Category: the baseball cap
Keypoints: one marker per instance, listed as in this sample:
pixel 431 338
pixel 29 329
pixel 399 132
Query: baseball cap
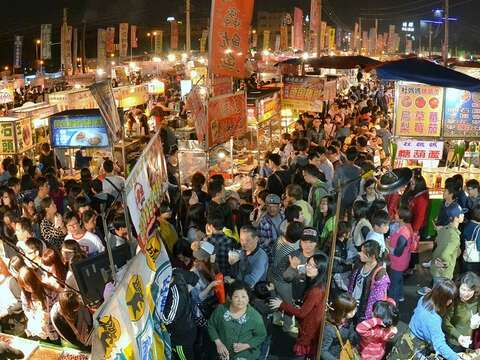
pixel 273 199
pixel 205 250
pixel 454 210
pixel 309 234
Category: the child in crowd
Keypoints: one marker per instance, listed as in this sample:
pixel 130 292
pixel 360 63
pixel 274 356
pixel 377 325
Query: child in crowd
pixel 377 331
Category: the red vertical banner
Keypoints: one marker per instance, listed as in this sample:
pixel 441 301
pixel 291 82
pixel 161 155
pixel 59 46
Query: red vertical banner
pixel 298 29
pixel 133 36
pixel 174 35
pixel 110 40
pixel 315 18
pixel 227 117
pixel 229 29
pixel 123 39
pixel 283 37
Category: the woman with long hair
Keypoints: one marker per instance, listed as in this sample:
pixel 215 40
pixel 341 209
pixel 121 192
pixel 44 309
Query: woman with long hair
pixel 36 304
pixel 71 319
pixel 416 198
pixel 327 220
pixel 52 261
pixel 338 325
pixel 311 313
pixel 52 229
pixel 195 221
pixel 425 335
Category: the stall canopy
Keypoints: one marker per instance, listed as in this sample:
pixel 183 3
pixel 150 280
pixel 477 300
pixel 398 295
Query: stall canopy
pixel 426 72
pixel 334 62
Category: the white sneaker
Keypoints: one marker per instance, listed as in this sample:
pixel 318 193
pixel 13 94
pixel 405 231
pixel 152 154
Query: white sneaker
pixel 427 265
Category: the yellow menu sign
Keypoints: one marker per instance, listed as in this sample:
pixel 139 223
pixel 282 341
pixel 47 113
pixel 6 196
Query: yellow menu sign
pixel 418 110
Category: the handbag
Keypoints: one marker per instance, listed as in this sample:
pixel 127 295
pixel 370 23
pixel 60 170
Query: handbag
pixel 471 254
pixel 347 351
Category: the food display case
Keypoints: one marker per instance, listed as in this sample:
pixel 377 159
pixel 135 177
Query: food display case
pixel 264 129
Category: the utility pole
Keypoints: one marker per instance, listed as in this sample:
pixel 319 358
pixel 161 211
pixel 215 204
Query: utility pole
pixel 187 23
pixel 430 33
pixel 445 43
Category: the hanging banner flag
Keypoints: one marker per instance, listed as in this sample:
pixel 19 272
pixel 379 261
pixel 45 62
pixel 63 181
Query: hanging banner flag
pixel 307 93
pixel 123 39
pixel 129 323
pixel 365 40
pixel 174 35
pixel 75 49
pixel 46 41
pixel 323 36
pixel 17 51
pixel 203 41
pixel 228 46
pixel 133 37
pixel 462 114
pixel 221 85
pixel 418 110
pixel 101 47
pixel 391 38
pixel 277 42
pixel 110 40
pixel 103 94
pixel 298 29
pixel 145 188
pixel 227 117
pixel 331 39
pixel 68 49
pixel 315 19
pixel 159 43
pixel 284 37
pixel 254 40
pixel 354 40
pixel 266 39
pixel 196 105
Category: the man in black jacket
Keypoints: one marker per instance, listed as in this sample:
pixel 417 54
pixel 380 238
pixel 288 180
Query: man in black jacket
pixel 177 315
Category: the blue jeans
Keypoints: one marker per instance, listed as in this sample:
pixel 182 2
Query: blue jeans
pixel 395 291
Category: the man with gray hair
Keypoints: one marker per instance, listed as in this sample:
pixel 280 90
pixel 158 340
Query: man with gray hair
pixel 251 262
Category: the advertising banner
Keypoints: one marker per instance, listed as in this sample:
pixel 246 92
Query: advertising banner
pixel 7 93
pixel 418 110
pixel 46 41
pixel 78 130
pixel 174 35
pixel 412 149
pixel 229 28
pixel 7 139
pixel 222 85
pixel 67 47
pixel 283 37
pixel 133 36
pixel 195 104
pixel 159 43
pixel 145 188
pixel 110 40
pixel 123 39
pixel 331 38
pixel 462 114
pixel 101 47
pixel 227 117
pixel 298 29
pixel 129 324
pixel 17 51
pixel 24 131
pixel 103 94
pixel 203 41
pixel 354 42
pixel 303 93
pixel 266 39
pixel 323 35
pixel 315 19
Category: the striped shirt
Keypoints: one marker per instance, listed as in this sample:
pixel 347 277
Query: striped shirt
pixel 281 251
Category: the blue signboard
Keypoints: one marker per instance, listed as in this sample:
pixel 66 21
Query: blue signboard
pixel 78 130
pixel 462 114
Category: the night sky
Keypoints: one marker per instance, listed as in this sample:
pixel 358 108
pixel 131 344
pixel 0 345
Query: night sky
pixel 27 15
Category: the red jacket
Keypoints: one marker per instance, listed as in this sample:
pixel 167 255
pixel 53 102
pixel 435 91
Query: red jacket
pixel 309 316
pixel 419 206
pixel 373 338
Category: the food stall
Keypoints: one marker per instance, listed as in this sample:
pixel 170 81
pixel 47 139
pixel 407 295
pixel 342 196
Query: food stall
pixel 434 124
pixel 38 113
pixel 264 129
pixel 75 99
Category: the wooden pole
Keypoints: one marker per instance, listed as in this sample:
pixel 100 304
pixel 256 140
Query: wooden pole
pixel 330 269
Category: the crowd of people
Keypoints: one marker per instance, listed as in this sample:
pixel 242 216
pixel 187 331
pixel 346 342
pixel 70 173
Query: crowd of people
pixel 248 264
pixel 268 249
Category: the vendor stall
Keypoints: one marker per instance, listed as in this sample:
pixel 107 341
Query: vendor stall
pixel 264 129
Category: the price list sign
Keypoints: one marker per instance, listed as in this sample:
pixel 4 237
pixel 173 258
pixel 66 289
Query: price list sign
pixel 418 110
pixel 7 139
pixel 462 114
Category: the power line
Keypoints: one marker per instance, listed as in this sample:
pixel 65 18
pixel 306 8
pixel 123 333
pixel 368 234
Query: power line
pixel 405 4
